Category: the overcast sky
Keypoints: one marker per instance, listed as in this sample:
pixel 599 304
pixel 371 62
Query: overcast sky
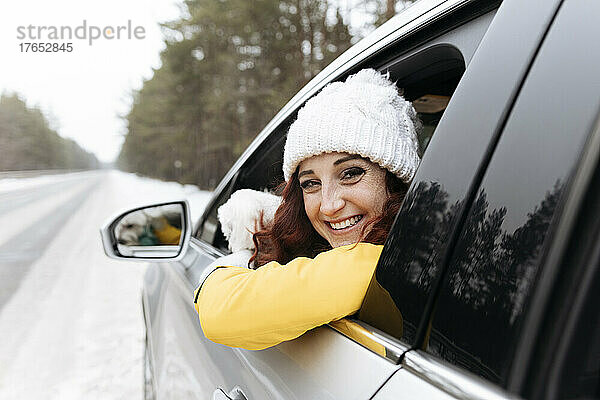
pixel 83 92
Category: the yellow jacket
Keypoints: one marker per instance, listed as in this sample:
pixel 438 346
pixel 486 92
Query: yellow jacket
pixel 167 233
pixel 256 309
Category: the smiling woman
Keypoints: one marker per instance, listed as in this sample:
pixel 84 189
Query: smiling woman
pixel 348 159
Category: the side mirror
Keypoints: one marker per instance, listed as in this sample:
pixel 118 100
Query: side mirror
pixel 152 233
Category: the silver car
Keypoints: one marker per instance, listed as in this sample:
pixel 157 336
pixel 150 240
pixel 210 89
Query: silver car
pixel 489 283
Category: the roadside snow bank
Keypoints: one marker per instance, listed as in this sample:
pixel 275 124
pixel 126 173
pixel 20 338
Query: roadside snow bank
pixel 74 328
pixel 10 184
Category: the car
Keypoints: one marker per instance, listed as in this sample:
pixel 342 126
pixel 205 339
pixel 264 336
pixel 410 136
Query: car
pixel 489 282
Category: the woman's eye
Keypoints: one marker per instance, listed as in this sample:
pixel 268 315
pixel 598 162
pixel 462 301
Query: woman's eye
pixel 309 185
pixel 352 174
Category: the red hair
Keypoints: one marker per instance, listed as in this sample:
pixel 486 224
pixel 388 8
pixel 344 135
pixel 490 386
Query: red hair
pixel 291 234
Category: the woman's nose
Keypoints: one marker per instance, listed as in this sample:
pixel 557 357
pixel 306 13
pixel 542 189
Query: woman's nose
pixel 331 202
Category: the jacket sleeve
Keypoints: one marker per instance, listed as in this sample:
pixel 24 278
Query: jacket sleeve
pixel 256 309
pixel 168 234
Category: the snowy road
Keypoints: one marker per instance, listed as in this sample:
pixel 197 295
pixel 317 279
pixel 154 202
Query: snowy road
pixel 70 319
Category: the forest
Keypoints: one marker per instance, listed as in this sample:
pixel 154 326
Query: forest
pixel 227 69
pixel 28 143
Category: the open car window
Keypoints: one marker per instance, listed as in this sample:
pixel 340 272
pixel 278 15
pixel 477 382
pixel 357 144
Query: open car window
pixel 428 79
pixel 426 75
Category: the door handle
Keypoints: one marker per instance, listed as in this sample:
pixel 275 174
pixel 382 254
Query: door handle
pixel 235 394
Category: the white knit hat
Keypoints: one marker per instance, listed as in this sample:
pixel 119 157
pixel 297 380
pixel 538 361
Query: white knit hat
pixel 364 115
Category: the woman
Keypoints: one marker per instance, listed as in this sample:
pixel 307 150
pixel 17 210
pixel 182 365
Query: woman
pixel 347 161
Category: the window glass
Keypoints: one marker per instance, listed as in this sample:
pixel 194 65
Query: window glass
pixel 567 361
pixel 428 80
pixel 495 264
pixel 210 230
pixel 397 298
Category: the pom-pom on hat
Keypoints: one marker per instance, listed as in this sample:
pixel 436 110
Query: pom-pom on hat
pixel 364 115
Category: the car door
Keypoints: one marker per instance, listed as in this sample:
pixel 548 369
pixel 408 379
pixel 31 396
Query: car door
pixel 518 264
pixel 427 58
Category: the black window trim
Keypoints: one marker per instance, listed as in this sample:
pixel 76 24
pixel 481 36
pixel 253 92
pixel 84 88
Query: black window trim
pixel 579 186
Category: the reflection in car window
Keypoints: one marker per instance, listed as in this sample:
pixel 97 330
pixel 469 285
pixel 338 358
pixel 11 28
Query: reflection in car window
pixel 490 277
pixel 479 315
pixel 430 211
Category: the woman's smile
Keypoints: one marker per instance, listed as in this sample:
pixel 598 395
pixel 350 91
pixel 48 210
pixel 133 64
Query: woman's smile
pixel 345 224
pixel 342 195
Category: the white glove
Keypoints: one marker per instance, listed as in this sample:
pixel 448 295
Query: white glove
pixel 240 216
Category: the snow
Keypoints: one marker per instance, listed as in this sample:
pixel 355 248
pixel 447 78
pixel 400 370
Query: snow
pixel 30 214
pixel 158 190
pixel 10 184
pixel 74 327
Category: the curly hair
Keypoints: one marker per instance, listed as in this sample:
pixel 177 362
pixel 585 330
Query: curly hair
pixel 292 235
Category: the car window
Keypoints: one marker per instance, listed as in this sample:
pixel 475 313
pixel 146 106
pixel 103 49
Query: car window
pixel 261 171
pixel 495 265
pixel 397 297
pixel 210 231
pixel 572 342
pixel 427 78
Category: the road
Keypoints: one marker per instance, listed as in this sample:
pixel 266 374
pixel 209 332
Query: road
pixel 70 318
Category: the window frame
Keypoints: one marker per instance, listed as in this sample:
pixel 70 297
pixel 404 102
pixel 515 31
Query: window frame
pixel 445 31
pixel 421 23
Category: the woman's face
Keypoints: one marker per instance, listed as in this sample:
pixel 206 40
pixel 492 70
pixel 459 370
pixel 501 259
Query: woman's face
pixel 342 193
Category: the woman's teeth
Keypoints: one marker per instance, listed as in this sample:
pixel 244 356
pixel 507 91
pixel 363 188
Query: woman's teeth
pixel 346 223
